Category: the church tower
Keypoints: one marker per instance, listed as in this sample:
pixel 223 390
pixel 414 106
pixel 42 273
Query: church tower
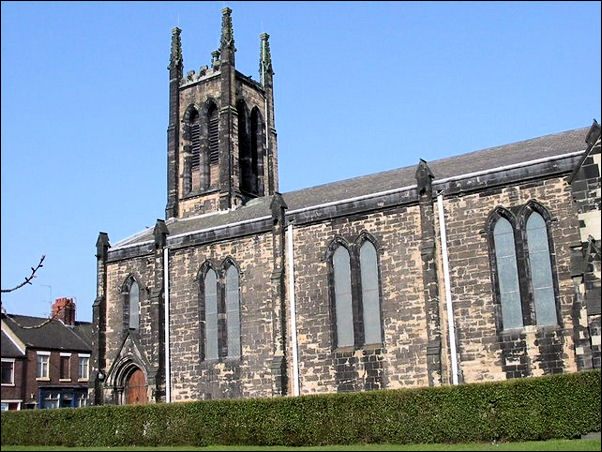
pixel 221 139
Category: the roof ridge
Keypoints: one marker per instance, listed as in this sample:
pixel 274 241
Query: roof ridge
pixel 76 335
pixel 430 162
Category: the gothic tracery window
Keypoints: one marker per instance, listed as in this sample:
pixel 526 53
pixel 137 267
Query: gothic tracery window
pixel 356 294
pixel 220 312
pixel 523 277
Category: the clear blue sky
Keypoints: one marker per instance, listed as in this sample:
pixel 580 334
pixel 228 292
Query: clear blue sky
pixel 360 87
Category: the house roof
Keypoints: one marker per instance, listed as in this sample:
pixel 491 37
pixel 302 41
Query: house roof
pixel 54 335
pixel 9 349
pixel 496 157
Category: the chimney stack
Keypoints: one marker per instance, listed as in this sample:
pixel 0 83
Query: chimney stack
pixel 64 310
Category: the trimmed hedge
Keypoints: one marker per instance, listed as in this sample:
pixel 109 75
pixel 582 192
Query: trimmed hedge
pixel 556 406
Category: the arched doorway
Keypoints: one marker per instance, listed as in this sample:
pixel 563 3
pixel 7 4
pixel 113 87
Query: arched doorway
pixel 135 388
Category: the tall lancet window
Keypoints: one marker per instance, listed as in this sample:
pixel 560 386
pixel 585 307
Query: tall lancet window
pixel 343 298
pixel 134 305
pixel 233 312
pixel 210 289
pixel 507 273
pixel 541 270
pixel 370 295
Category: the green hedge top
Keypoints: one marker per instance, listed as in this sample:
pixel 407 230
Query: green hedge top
pixel 557 406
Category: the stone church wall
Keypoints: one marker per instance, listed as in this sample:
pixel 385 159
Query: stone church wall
pixel 484 352
pixel 142 269
pixel 402 359
pixel 193 379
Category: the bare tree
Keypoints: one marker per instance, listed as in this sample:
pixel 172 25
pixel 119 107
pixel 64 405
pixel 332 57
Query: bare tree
pixel 28 280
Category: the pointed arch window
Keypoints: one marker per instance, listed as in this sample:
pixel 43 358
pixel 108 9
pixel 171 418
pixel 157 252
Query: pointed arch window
pixel 356 293
pixel 524 273
pixel 219 306
pixel 370 293
pixel 541 270
pixel 507 271
pixel 343 299
pixel 134 298
pixel 210 289
pixel 233 312
pixel 251 149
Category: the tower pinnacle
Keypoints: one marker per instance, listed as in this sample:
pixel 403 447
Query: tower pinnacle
pixel 265 60
pixel 227 33
pixel 175 58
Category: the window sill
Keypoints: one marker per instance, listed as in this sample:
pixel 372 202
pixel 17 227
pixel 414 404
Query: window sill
pixel 377 346
pixel 530 329
pixel 553 327
pixel 353 348
pixel 227 362
pixel 64 380
pixel 82 379
pixel 42 378
pixel 8 384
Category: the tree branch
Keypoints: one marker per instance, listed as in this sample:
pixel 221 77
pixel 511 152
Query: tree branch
pixel 28 281
pixel 29 278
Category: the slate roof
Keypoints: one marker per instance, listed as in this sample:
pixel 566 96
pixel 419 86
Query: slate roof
pixel 495 157
pixel 53 336
pixel 9 349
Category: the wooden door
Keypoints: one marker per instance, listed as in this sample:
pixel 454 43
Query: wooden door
pixel 135 388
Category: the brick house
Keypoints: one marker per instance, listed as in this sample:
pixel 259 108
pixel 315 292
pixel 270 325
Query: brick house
pixel 46 366
pixel 479 267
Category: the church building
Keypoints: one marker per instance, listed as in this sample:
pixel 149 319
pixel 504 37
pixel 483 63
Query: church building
pixel 478 267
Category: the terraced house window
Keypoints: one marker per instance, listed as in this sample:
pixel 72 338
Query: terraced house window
pixel 523 262
pixel 51 400
pixel 8 371
pixel 42 369
pixel 83 367
pixel 65 365
pixel 355 291
pixel 81 400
